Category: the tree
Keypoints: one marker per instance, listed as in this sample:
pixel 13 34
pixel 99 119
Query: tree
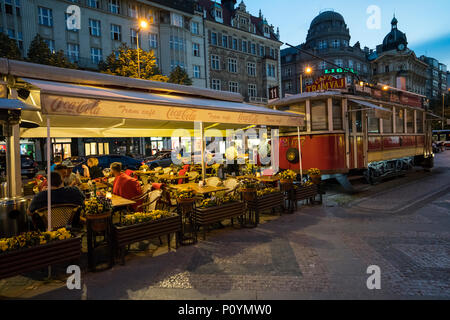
pixel 180 76
pixel 125 64
pixel 39 52
pixel 8 48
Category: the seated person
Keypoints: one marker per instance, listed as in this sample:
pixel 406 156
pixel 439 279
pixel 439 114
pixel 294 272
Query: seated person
pixel 70 179
pixel 56 161
pixel 124 185
pixel 60 195
pixel 92 170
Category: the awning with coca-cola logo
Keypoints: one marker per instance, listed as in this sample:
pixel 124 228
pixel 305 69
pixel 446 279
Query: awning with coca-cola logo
pixel 64 99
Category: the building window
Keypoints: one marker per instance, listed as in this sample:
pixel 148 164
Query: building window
pixel 323 44
pixel 94 27
pixel 153 40
pixel 319 115
pixel 50 45
pixel 73 51
pixel 133 36
pixel 176 20
pixel 271 71
pixel 94 4
pixel 196 71
pixel 235 44
pixel 196 49
pixel 252 91
pixel 337 114
pixel 214 38
pixel 45 16
pixel 251 69
pixel 344 43
pixel 350 63
pixel 132 10
pixel 232 65
pixel 218 14
pixel 215 62
pixel 8 7
pixel 336 43
pixel 233 86
pixel 261 51
pixel 322 65
pixel 17 2
pixel 339 62
pixel 216 84
pixel 225 41
pixel 115 32
pixel 195 28
pixel 244 46
pixel 358 67
pixel 288 86
pixel 114 6
pixel 96 55
pixel 176 43
pixel 400 120
pixel 288 72
pixel 253 48
pixel 11 33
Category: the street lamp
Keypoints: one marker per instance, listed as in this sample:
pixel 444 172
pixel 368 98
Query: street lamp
pixel 308 70
pixel 142 25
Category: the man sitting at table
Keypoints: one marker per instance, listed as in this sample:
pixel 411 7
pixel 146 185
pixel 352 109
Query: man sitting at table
pixel 124 185
pixel 60 195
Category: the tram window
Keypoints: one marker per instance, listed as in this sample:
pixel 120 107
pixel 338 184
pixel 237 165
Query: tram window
pixel 410 121
pixel 299 108
pixel 373 122
pixel 419 120
pixel 358 121
pixel 319 115
pixel 387 125
pixel 400 114
pixel 337 114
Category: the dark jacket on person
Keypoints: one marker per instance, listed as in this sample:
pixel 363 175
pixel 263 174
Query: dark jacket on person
pixel 65 195
pixel 95 172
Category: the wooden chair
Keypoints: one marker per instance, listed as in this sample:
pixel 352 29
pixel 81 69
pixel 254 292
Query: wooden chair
pixel 154 198
pixel 62 215
pixel 168 203
pixel 231 184
pixel 167 170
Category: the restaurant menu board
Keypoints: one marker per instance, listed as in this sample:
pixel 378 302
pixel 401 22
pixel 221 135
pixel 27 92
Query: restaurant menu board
pixel 59 105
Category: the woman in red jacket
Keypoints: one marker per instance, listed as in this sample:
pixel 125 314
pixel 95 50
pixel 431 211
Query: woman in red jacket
pixel 124 185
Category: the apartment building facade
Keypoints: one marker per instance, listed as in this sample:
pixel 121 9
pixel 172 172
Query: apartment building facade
pixel 243 50
pixel 89 30
pixel 437 77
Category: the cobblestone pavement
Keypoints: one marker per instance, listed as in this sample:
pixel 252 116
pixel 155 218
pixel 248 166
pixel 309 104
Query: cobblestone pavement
pixel 318 252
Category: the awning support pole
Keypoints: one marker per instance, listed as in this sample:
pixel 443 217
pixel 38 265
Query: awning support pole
pixel 300 154
pixel 202 137
pixel 14 171
pixel 49 179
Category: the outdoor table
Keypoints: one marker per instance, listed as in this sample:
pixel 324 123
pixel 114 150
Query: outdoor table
pixel 143 173
pixel 118 201
pixel 86 187
pixel 198 190
pixel 169 177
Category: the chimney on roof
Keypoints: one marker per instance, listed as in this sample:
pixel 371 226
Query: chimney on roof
pixel 229 4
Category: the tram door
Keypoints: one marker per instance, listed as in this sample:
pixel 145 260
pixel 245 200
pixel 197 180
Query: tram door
pixel 357 138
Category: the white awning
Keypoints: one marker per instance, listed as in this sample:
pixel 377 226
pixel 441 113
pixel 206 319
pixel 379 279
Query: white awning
pixel 65 99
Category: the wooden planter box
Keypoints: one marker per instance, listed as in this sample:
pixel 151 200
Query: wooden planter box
pixel 127 235
pixel 304 193
pixel 25 260
pixel 207 216
pixel 267 202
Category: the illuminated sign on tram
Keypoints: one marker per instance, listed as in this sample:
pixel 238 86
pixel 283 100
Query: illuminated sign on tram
pixel 326 83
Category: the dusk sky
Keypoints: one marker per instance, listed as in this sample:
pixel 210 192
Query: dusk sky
pixel 426 23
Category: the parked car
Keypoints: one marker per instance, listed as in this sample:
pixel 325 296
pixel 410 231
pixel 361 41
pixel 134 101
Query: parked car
pixel 76 160
pixel 106 161
pixel 160 159
pixel 28 165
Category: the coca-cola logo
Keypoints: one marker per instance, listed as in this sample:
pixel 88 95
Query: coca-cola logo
pixel 247 118
pixel 60 105
pixel 181 114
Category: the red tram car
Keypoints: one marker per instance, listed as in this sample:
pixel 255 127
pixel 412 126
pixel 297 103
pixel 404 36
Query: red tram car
pixel 377 131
